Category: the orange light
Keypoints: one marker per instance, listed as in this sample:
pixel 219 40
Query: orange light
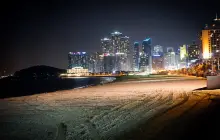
pixel 205 44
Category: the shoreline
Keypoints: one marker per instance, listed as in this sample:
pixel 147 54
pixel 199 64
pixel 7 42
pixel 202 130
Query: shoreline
pixel 119 80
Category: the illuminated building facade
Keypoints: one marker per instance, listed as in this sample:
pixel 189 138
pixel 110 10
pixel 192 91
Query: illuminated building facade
pixel 170 61
pixel 157 50
pixel 157 63
pixel 143 62
pixel 78 59
pixel 106 46
pixel 183 56
pixel 183 52
pixel 108 55
pixel 117 53
pixel 109 63
pixel 136 56
pixel 78 71
pixel 145 56
pixel 116 42
pixel 157 58
pixel 193 52
pixel 96 62
pixel 210 40
pixel 124 55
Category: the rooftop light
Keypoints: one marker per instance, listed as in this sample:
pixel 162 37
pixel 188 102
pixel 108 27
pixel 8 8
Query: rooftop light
pixel 116 32
pixel 147 39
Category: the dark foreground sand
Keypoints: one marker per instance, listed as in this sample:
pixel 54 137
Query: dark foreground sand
pixel 136 110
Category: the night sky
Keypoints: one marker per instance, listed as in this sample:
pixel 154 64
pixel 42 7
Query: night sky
pixel 43 32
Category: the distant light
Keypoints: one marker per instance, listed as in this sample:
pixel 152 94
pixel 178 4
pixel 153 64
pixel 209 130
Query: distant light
pixel 70 52
pixel 113 72
pixel 120 53
pixel 156 55
pixel 106 38
pixel 106 54
pixel 116 32
pixel 83 52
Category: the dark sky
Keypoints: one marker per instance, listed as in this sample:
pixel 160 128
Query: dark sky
pixel 43 32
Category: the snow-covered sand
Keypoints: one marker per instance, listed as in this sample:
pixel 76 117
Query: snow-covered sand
pixel 91 113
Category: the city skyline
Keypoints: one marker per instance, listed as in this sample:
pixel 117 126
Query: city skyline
pixel 43 33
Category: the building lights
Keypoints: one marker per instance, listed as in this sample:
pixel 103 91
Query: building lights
pixel 206 49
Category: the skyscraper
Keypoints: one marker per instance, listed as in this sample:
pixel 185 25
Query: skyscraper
pixel 157 58
pixel 146 46
pixel 210 40
pixel 116 51
pixel 116 42
pixel 108 54
pixel 109 63
pixel 145 56
pixel 183 56
pixel 78 59
pixel 157 50
pixel 193 52
pixel 96 62
pixel 170 61
pixel 123 55
pixel 136 56
pixel 106 46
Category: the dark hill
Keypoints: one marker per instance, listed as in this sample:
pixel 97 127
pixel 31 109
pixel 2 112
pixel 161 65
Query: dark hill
pixel 39 72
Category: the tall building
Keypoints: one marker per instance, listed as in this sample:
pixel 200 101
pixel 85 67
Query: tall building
pixel 183 52
pixel 170 61
pixel 117 53
pixel 193 52
pixel 157 58
pixel 96 62
pixel 116 42
pixel 146 46
pixel 210 40
pixel 177 53
pixel 157 63
pixel 157 50
pixel 109 63
pixel 136 56
pixel 145 56
pixel 78 59
pixel 124 55
pixel 106 46
pixel 143 62
pixel 183 56
pixel 108 54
